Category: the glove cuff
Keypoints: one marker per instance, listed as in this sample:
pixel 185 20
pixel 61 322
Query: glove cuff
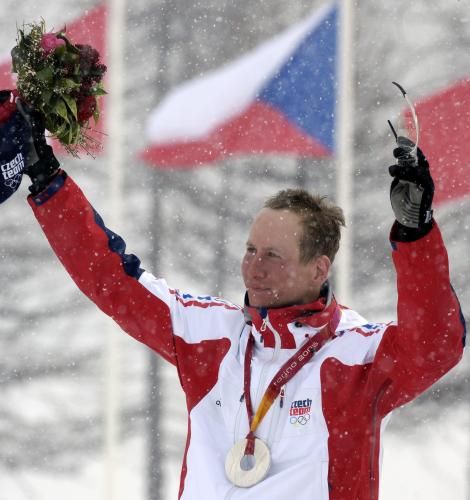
pixel 404 234
pixel 42 172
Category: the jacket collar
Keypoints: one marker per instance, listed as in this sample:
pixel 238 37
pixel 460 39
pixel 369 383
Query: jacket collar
pixel 287 320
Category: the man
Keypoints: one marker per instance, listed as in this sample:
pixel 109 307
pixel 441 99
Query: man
pixel 290 394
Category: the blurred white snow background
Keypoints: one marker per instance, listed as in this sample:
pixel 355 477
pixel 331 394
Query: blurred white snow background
pixel 190 227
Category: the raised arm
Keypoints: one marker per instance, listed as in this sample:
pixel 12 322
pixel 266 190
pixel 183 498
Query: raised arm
pixel 93 255
pixel 429 335
pixel 95 258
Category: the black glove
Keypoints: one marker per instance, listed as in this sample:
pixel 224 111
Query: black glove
pixel 14 145
pixel 41 164
pixel 411 192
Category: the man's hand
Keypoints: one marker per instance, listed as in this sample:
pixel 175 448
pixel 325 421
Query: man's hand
pixel 41 164
pixel 411 192
pixel 23 147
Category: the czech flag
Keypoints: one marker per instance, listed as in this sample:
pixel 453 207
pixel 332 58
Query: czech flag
pixel 444 119
pixel 277 99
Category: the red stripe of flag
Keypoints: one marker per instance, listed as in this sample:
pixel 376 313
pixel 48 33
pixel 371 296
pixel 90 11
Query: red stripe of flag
pixel 445 139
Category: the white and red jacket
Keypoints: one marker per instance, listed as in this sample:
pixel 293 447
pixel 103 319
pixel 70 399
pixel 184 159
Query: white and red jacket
pixel 324 430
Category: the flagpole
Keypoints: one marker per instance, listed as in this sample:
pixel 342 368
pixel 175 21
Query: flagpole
pixel 115 156
pixel 345 154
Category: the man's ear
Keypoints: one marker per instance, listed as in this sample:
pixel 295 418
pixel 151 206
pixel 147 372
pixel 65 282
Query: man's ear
pixel 321 269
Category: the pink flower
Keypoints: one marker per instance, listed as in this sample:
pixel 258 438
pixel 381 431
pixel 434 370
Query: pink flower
pixel 49 42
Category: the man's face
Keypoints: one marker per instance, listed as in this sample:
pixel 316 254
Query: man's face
pixel 271 267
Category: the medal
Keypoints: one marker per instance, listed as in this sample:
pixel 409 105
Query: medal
pixel 247 470
pixel 248 461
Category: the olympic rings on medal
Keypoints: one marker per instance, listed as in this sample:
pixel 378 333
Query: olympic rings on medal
pixel 300 419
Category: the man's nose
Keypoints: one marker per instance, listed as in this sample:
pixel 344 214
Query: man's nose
pixel 257 269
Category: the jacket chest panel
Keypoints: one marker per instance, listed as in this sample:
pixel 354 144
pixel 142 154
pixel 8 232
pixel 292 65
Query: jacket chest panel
pixel 295 416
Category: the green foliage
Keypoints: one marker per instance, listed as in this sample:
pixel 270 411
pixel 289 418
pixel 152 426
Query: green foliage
pixel 59 79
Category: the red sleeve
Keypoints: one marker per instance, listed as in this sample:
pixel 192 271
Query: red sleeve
pixel 429 336
pixel 95 259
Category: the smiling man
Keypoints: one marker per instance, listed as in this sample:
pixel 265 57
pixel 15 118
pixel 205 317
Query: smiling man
pixel 290 392
pixel 290 248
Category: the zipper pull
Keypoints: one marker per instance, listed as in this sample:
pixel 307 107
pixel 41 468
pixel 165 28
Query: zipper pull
pixel 242 397
pixel 283 393
pixel 264 314
pixel 264 324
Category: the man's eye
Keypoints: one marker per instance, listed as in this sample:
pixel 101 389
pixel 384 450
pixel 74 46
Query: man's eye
pixel 273 255
pixel 250 250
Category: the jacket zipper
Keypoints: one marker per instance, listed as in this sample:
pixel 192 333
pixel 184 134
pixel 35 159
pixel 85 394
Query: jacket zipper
pixel 263 376
pixel 266 365
pixel 375 432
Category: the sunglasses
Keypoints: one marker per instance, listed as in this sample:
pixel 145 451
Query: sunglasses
pixel 414 133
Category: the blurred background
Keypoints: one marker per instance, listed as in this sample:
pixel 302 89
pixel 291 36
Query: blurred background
pixel 61 433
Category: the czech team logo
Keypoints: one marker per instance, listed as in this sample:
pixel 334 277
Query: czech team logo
pixel 11 171
pixel 299 413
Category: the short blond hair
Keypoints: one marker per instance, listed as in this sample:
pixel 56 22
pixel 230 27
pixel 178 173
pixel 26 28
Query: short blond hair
pixel 321 221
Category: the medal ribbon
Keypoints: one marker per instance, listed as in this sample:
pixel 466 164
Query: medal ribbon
pixel 286 373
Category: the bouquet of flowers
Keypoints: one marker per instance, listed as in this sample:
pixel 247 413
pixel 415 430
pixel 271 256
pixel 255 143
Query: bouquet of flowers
pixel 62 81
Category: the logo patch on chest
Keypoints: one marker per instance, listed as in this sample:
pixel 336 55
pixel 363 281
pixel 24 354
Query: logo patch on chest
pixel 299 412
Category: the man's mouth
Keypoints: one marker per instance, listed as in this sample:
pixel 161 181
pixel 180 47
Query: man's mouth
pixel 259 289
